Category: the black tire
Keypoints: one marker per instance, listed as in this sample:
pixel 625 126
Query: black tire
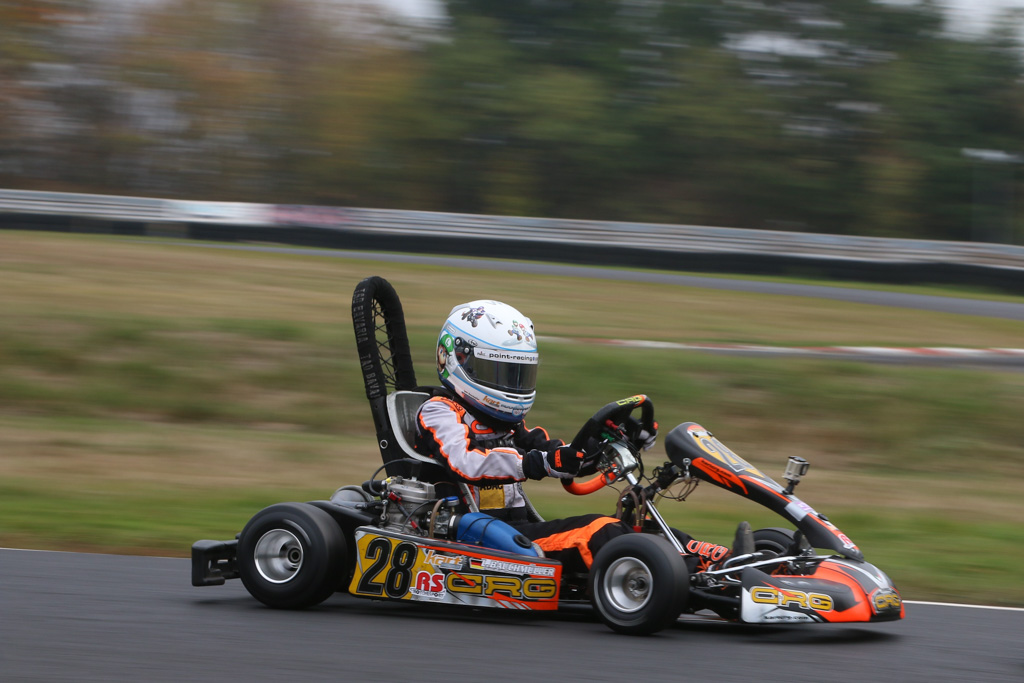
pixel 639 584
pixel 292 556
pixel 381 338
pixel 774 539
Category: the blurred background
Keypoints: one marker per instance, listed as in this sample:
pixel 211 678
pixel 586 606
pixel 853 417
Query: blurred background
pixel 157 391
pixel 887 118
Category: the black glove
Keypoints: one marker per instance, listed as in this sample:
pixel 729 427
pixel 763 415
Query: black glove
pixel 589 464
pixel 640 437
pixel 646 439
pixel 533 439
pixel 562 462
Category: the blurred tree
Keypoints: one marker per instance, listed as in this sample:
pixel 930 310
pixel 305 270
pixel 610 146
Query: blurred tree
pixel 837 116
pixel 25 36
pixel 530 106
pixel 840 116
pixel 938 100
pixel 223 76
pixel 28 33
pixel 266 100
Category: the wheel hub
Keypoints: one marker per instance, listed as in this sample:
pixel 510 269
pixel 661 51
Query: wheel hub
pixel 627 584
pixel 278 556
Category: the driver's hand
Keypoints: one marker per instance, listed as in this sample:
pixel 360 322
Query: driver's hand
pixel 646 439
pixel 639 436
pixel 562 462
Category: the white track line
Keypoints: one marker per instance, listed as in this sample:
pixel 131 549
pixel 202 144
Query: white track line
pixel 960 604
pixel 933 352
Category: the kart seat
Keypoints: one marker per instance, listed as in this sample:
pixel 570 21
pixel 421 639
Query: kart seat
pixel 402 409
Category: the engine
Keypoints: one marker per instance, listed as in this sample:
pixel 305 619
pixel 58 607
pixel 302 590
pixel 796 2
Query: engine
pixel 412 507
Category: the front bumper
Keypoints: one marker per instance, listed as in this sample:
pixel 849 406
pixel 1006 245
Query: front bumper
pixel 213 562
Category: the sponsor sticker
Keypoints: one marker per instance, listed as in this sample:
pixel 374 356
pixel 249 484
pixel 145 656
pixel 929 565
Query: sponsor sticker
pixel 505 355
pixel 770 595
pixel 885 601
pixel 719 451
pixel 799 509
pixel 394 567
pixel 767 605
pixel 847 543
pixel 516 568
pixel 429 586
pixel 503 406
pixel 712 551
pixel 439 561
pixel 784 617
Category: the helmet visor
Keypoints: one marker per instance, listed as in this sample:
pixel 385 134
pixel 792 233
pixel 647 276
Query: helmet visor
pixel 503 375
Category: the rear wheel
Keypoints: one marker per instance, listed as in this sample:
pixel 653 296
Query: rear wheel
pixel 639 584
pixel 291 556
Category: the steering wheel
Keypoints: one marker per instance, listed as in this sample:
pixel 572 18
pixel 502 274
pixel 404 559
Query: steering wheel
pixel 614 414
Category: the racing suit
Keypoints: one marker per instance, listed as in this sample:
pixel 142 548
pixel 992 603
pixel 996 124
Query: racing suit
pixel 489 456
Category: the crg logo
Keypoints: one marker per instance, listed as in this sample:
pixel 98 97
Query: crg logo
pixel 769 595
pixel 885 601
pixel 510 586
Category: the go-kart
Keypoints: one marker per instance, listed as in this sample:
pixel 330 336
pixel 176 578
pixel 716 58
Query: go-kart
pixel 414 535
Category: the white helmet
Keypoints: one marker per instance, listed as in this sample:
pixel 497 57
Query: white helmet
pixel 487 354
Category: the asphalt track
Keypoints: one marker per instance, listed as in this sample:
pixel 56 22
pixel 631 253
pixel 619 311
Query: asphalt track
pixel 69 616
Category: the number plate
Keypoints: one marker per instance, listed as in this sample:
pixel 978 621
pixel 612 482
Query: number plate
pixel 400 567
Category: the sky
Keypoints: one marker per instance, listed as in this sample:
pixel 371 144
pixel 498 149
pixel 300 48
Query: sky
pixel 420 9
pixel 975 15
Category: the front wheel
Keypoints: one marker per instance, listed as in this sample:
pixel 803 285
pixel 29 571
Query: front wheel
pixel 291 556
pixel 774 539
pixel 639 584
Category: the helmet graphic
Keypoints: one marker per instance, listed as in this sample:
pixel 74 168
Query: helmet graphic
pixel 487 354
